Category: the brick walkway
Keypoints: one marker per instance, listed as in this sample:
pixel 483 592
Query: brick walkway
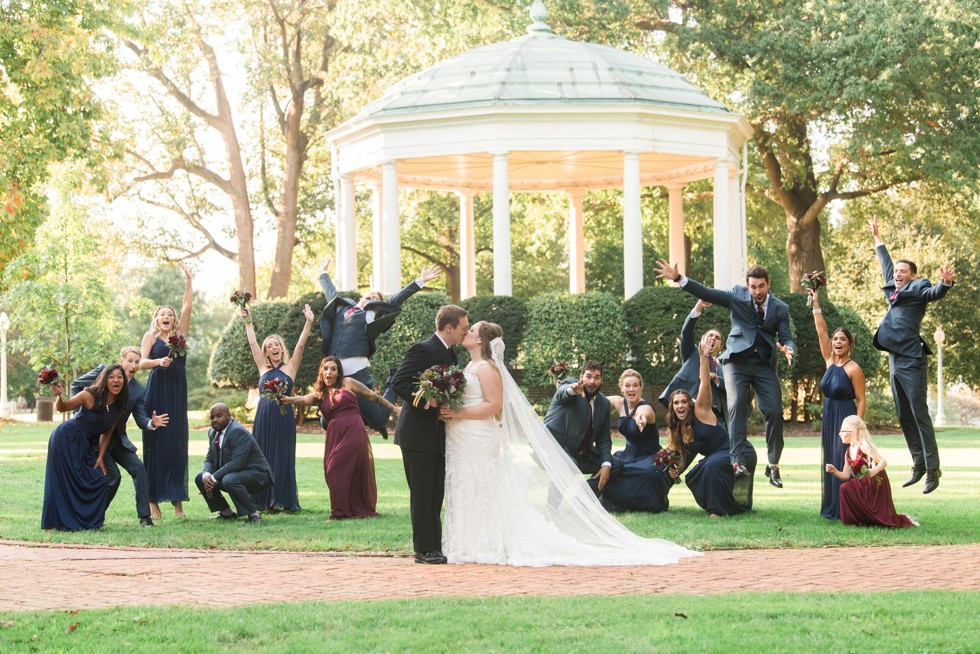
pixel 43 576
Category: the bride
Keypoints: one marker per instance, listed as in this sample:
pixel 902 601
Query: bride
pixel 512 496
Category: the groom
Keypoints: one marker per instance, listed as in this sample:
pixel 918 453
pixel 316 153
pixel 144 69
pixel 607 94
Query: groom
pixel 422 436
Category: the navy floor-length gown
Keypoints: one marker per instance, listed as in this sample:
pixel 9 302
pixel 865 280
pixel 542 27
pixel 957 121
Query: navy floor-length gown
pixel 75 491
pixel 838 392
pixel 165 448
pixel 712 480
pixel 642 485
pixel 275 433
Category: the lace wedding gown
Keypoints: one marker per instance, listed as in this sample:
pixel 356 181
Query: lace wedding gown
pixel 513 497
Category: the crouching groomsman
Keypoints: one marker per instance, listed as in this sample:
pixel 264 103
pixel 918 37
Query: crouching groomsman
pixel 121 450
pixel 234 464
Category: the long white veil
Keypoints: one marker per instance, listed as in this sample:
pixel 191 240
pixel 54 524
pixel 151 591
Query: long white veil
pixel 556 488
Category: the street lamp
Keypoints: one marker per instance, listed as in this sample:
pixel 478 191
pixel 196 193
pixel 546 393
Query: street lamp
pixel 940 337
pixel 4 326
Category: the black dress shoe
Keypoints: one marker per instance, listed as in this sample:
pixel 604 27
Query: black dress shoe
pixel 146 522
pixel 255 518
pixel 224 516
pixel 430 557
pixel 916 476
pixel 773 473
pixel 740 470
pixel 932 481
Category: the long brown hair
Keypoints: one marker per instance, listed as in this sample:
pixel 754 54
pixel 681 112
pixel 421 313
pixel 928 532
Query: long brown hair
pixel 320 388
pixel 679 432
pixel 488 331
pixel 100 389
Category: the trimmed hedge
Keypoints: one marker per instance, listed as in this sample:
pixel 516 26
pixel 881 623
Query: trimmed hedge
pixel 292 326
pixel 232 365
pixel 415 323
pixel 508 312
pixel 573 328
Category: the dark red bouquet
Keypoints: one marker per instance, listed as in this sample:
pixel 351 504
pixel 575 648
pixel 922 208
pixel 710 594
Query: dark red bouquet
pixel 445 384
pixel 558 370
pixel 667 457
pixel 241 299
pixel 859 467
pixel 813 281
pixel 49 376
pixel 178 346
pixel 273 390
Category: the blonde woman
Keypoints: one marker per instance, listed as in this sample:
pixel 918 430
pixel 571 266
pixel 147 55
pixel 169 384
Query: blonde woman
pixel 275 430
pixel 165 448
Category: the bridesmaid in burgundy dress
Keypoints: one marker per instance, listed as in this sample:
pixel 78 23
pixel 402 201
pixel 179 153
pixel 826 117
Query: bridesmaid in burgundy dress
pixel 865 492
pixel 348 463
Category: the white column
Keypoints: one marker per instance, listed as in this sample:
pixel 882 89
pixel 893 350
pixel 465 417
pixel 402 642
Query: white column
pixel 632 226
pixel 737 226
pixel 724 246
pixel 576 243
pixel 467 246
pixel 392 229
pixel 502 284
pixel 377 238
pixel 675 238
pixel 347 265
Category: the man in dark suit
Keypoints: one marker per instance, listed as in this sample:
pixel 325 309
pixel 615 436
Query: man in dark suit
pixel 578 418
pixel 348 331
pixel 760 327
pixel 688 377
pixel 121 450
pixel 234 464
pixel 898 334
pixel 422 436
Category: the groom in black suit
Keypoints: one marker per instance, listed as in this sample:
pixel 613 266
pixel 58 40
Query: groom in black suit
pixel 898 334
pixel 422 435
pixel 121 450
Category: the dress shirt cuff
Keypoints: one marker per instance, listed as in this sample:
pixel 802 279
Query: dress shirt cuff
pixel 606 464
pixel 695 314
pixel 150 426
pixel 683 281
pixel 420 283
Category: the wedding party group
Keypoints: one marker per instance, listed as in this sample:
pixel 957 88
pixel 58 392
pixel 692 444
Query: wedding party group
pixel 489 480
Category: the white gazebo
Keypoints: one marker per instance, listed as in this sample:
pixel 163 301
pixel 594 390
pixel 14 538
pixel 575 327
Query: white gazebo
pixel 540 113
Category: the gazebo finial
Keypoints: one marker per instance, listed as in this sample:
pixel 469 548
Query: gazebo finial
pixel 538 14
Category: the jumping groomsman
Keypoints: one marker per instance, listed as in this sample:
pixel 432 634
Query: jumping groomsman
pixel 760 327
pixel 898 334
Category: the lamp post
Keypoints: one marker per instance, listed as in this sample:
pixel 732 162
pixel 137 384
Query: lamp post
pixel 4 326
pixel 940 337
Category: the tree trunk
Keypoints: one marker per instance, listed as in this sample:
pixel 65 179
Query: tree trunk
pixel 803 250
pixel 296 142
pixel 452 282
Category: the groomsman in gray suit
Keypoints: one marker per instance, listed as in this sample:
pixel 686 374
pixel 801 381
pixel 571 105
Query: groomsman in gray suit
pixel 898 334
pixel 760 328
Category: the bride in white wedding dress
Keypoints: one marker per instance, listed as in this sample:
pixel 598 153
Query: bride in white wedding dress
pixel 512 495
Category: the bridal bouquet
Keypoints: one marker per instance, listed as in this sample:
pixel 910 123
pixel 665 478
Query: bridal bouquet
pixel 48 376
pixel 813 281
pixel 241 299
pixel 273 390
pixel 178 346
pixel 442 383
pixel 558 370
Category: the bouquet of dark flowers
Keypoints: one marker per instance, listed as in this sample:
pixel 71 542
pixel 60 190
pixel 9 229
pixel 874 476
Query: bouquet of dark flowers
pixel 443 383
pixel 273 390
pixel 558 370
pixel 813 281
pixel 241 299
pixel 178 346
pixel 48 376
pixel 859 467
pixel 668 458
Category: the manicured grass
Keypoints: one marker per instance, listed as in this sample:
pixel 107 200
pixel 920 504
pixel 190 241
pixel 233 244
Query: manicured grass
pixel 882 622
pixel 783 518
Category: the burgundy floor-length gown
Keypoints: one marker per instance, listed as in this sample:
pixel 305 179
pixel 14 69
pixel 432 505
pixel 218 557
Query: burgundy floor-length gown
pixel 867 501
pixel 348 463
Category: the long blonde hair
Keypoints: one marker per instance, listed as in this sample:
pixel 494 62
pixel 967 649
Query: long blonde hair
pixel 282 345
pixel 155 329
pixel 863 436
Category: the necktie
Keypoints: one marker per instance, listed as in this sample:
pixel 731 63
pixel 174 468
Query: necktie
pixel 351 311
pixel 891 298
pixel 217 445
pixel 760 311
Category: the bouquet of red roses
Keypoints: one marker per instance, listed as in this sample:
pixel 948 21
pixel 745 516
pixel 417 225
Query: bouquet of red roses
pixel 859 467
pixel 813 281
pixel 667 457
pixel 241 299
pixel 443 383
pixel 48 376
pixel 178 346
pixel 273 390
pixel 558 370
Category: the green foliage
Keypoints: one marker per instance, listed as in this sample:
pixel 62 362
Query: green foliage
pixel 415 323
pixel 655 316
pixel 232 365
pixel 508 312
pixel 292 326
pixel 573 328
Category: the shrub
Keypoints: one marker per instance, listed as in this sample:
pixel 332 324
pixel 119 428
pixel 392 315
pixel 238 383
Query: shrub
pixel 291 327
pixel 572 328
pixel 232 365
pixel 508 312
pixel 416 322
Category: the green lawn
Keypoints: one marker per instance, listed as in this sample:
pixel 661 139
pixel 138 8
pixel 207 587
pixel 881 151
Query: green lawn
pixel 783 518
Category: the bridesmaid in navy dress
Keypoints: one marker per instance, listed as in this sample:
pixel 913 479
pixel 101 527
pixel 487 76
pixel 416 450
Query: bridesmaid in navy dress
pixel 348 462
pixel 165 448
pixel 642 485
pixel 843 391
pixel 693 428
pixel 274 431
pixel 75 482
